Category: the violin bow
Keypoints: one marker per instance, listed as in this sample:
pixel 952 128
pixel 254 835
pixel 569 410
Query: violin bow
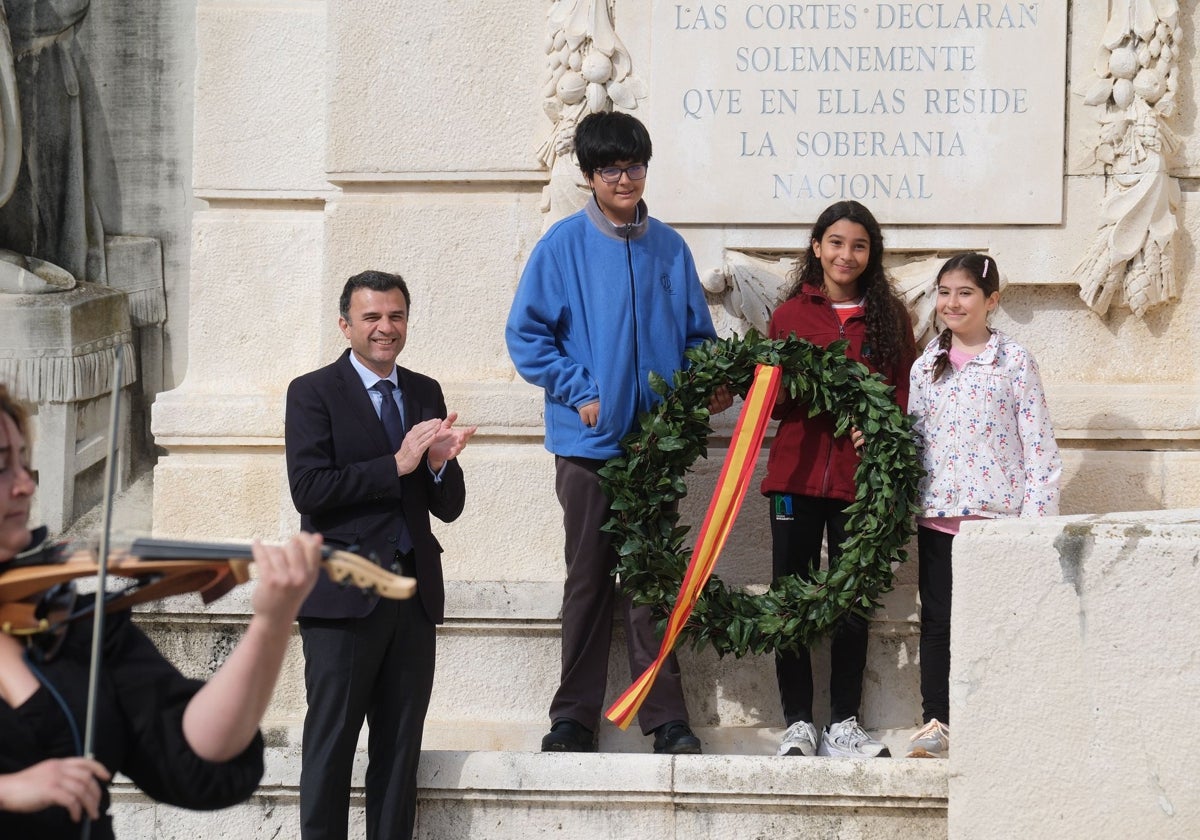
pixel 110 492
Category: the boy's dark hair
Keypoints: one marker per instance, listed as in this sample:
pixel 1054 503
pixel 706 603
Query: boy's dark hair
pixel 884 311
pixel 376 281
pixel 610 136
pixel 985 274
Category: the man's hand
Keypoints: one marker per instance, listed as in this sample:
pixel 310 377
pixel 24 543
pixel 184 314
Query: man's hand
pixel 416 440
pixel 720 400
pixel 448 442
pixel 590 414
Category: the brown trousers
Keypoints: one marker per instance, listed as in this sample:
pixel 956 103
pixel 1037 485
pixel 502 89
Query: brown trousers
pixel 590 595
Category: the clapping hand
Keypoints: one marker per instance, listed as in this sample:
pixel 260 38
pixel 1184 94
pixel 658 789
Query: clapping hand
pixel 417 441
pixel 448 441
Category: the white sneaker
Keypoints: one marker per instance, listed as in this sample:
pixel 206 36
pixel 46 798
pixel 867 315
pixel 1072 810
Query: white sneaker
pixel 931 741
pixel 800 739
pixel 849 740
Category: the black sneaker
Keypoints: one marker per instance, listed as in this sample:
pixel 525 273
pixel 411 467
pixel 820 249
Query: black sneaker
pixel 676 738
pixel 568 736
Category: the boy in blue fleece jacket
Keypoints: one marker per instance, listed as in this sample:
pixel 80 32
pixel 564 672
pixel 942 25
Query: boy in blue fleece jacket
pixel 608 295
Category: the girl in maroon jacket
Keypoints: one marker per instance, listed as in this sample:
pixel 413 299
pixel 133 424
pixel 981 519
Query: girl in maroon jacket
pixel 839 291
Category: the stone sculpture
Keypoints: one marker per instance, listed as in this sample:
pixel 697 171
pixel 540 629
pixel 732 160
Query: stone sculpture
pixel 1134 252
pixel 748 287
pixel 60 336
pixel 54 213
pixel 10 114
pixel 588 70
pixel 17 275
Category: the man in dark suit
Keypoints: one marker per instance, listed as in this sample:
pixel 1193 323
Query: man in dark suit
pixel 370 455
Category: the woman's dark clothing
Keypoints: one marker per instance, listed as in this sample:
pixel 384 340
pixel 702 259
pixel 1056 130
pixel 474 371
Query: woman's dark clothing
pixel 138 731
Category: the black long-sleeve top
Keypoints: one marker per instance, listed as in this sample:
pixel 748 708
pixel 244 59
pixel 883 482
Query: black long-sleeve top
pixel 138 732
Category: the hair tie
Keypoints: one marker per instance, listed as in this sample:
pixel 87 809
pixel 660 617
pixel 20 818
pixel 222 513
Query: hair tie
pixel 985 266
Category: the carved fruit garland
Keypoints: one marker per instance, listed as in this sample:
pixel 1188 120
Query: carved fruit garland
pixel 588 70
pixel 1138 69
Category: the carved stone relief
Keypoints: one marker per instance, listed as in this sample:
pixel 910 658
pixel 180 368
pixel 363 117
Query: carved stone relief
pixel 58 185
pixel 588 70
pixel 72 300
pixel 1134 252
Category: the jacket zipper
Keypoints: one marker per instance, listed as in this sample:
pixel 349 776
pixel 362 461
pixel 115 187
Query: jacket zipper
pixel 841 325
pixel 637 365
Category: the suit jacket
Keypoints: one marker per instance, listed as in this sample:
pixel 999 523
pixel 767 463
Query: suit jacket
pixel 342 474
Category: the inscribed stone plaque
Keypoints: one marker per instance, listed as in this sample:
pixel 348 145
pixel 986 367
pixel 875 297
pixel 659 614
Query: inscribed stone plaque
pixel 928 113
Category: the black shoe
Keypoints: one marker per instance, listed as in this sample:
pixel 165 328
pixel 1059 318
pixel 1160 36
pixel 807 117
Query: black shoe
pixel 676 738
pixel 568 736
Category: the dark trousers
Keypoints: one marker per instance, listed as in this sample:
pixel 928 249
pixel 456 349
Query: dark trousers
pixel 378 668
pixel 935 581
pixel 799 524
pixel 589 597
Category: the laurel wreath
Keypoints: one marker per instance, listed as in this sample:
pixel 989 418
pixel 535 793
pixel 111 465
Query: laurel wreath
pixel 645 481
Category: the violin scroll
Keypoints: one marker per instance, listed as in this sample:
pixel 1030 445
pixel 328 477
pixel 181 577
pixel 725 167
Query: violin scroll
pixel 351 570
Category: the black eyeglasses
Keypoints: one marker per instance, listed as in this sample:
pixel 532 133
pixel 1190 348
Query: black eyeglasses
pixel 612 174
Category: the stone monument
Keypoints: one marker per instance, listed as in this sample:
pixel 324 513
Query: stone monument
pixel 334 136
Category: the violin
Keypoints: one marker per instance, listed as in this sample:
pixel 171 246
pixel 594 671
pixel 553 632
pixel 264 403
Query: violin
pixel 157 569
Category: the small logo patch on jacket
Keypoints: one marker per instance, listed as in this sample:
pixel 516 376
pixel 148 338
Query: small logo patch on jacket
pixel 782 507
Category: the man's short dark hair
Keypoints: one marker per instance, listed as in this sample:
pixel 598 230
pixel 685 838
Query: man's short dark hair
pixel 610 136
pixel 376 281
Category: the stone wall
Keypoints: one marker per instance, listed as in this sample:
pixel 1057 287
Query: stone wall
pixel 332 137
pixel 1072 680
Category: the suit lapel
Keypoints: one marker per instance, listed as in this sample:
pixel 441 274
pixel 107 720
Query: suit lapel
pixel 355 397
pixel 412 407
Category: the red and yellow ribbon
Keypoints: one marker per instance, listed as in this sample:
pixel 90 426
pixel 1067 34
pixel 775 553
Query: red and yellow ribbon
pixel 718 522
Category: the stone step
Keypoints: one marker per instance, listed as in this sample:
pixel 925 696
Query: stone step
pixel 498 664
pixel 503 795
pixel 482 775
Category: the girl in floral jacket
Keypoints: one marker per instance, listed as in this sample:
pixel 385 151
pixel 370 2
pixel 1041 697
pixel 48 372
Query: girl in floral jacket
pixel 988 451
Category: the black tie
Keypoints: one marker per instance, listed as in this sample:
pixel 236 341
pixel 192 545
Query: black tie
pixel 389 413
pixel 393 424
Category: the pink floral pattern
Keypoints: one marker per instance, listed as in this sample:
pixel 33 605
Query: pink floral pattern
pixel 987 444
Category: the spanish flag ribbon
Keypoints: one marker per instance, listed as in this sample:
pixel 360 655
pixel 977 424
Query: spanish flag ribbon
pixel 718 522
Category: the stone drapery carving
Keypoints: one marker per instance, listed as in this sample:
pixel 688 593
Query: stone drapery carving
pixel 914 281
pixel 16 274
pixel 747 287
pixel 588 70
pixel 10 114
pixel 1134 252
pixel 66 185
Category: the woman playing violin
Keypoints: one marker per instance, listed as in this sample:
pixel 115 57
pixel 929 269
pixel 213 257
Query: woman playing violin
pixel 183 742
